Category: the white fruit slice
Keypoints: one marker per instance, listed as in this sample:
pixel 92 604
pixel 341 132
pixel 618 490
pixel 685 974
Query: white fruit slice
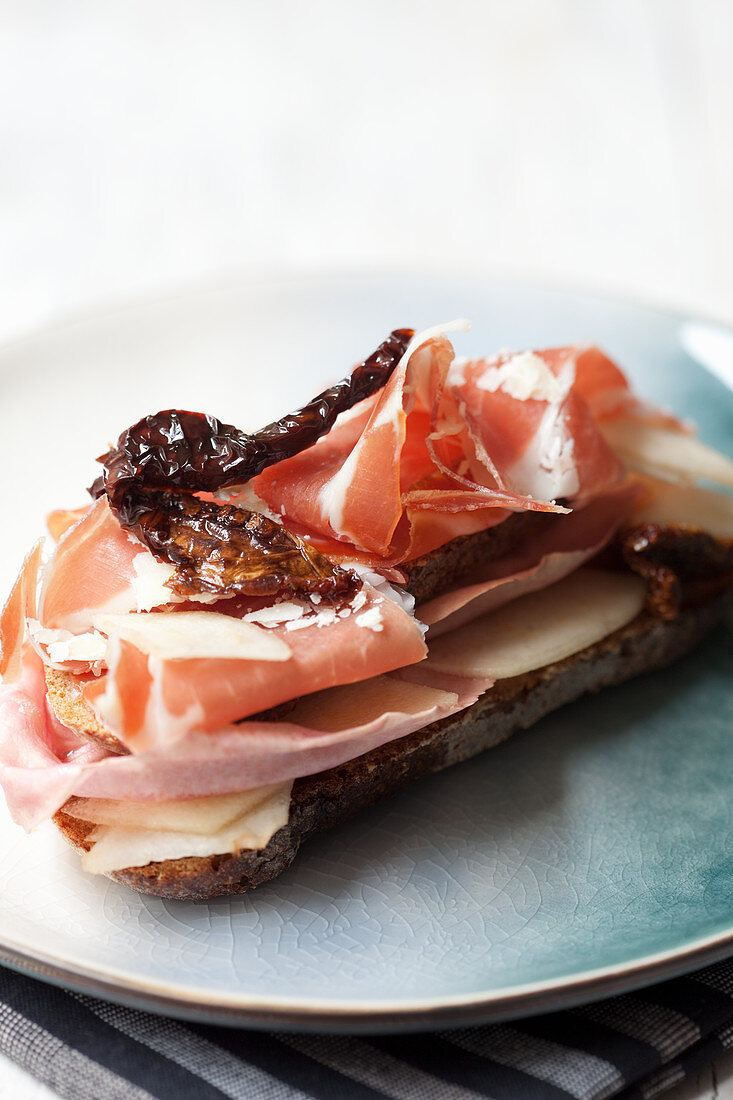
pixel 670 502
pixel 357 704
pixel 204 816
pixel 542 627
pixel 188 635
pixel 116 847
pixel 663 452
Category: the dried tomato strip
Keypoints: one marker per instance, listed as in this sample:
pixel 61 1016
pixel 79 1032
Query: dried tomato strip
pixel 160 462
pixel 672 558
pixel 225 550
pixel 175 449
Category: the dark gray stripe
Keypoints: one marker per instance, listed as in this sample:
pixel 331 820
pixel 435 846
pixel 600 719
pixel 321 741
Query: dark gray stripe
pixel 485 1076
pixel 69 1019
pixel 701 1002
pixel 289 1065
pixel 228 1074
pixel 573 1031
pixel 580 1074
pixel 718 977
pixel 666 1030
pixel 71 1074
pixel 364 1063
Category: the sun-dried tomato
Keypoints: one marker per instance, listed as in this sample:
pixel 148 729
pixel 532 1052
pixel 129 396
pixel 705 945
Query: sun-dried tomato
pixel 673 559
pixel 223 549
pixel 160 462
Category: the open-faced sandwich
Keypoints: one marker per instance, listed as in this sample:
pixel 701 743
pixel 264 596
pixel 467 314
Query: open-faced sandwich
pixel 244 639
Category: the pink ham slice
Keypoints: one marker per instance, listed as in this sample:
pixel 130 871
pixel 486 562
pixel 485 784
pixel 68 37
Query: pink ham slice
pixel 540 443
pixel 40 760
pixel 349 485
pixel 562 547
pixel 435 455
pixel 147 701
pixel 40 769
pixel 93 568
pixel 20 605
pixel 606 390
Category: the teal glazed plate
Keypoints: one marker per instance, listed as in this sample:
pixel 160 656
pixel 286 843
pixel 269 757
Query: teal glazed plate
pixel 589 855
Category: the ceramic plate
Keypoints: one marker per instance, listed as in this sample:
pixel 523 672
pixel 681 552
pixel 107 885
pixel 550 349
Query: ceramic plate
pixel 590 854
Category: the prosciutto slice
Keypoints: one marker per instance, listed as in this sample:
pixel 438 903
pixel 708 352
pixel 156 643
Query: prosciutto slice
pixel 147 701
pixel 20 605
pixel 93 569
pixel 40 769
pixel 40 760
pixel 533 432
pixel 444 451
pixel 349 485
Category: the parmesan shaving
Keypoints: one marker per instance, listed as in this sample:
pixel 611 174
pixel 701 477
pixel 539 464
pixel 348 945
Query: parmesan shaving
pixel 526 377
pixel 275 614
pixel 371 620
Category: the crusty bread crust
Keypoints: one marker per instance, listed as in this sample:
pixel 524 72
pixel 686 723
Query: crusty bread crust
pixel 71 708
pixel 329 798
pixel 433 573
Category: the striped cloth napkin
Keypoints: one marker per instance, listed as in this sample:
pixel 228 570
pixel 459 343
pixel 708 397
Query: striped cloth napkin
pixel 636 1045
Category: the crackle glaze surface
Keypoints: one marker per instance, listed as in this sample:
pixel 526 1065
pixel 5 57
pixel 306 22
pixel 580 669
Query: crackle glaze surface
pixel 598 838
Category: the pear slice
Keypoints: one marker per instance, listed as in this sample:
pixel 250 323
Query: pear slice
pixel 542 627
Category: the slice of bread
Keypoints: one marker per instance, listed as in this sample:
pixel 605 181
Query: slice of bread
pixel 329 798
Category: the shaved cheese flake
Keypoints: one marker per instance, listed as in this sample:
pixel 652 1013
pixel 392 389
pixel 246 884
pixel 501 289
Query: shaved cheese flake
pixel 525 376
pixel 275 614
pixel 542 627
pixel 665 453
pixel 188 635
pixel 203 816
pixel 116 848
pixel 149 582
pixel 61 645
pixel 341 708
pixel 370 620
pixel 671 502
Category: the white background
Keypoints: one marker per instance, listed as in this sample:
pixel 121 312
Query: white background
pixel 150 142
pixel 144 142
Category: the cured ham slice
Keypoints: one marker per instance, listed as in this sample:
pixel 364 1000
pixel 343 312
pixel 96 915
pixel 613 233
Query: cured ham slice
pixel 20 605
pixel 92 570
pixel 606 390
pixel 40 760
pixel 147 700
pixel 446 451
pixel 532 430
pixel 41 766
pixel 60 520
pixel 563 546
pixel 349 484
